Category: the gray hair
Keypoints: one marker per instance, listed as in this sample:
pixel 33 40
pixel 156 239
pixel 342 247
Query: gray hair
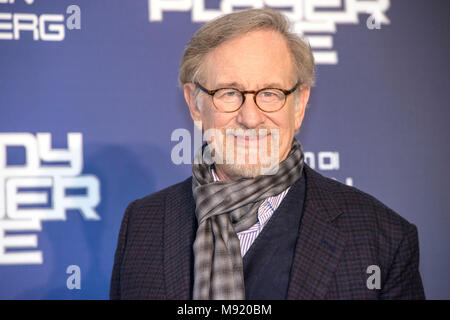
pixel 216 32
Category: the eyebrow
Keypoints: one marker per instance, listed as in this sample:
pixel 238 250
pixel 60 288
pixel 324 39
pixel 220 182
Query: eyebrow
pixel 239 86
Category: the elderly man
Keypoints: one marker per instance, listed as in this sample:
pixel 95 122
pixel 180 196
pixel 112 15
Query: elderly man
pixel 254 221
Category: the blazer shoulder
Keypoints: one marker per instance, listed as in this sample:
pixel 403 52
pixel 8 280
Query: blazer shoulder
pixel 159 198
pixel 374 235
pixel 357 204
pixel 151 208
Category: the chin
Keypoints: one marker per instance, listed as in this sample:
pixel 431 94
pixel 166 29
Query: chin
pixel 249 171
pixel 240 170
pixel 251 161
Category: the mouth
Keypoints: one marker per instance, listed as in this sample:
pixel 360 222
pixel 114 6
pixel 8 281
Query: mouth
pixel 249 140
pixel 248 147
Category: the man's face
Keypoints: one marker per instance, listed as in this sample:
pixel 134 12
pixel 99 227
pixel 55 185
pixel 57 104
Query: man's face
pixel 257 60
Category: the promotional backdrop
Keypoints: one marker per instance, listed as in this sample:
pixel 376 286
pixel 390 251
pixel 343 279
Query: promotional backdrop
pixel 91 118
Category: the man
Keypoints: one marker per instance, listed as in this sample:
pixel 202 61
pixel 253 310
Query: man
pixel 254 221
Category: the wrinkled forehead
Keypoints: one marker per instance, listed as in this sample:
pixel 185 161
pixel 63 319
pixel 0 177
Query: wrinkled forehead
pixel 252 61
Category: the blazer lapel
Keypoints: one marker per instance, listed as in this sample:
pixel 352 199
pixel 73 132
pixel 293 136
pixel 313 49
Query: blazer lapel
pixel 319 244
pixel 180 226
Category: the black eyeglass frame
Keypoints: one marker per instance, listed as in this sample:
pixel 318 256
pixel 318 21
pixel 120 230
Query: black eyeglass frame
pixel 244 92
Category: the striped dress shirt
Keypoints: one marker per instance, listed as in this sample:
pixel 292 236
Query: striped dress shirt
pixel 265 212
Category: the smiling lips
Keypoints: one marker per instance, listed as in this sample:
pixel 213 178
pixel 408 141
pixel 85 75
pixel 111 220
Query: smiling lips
pixel 248 135
pixel 250 141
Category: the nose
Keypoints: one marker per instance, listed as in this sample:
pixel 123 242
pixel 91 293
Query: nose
pixel 250 116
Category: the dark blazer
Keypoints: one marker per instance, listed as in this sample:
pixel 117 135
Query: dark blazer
pixel 342 232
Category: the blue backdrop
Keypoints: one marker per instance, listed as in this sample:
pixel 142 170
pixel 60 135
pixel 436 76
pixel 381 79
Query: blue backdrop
pixel 89 101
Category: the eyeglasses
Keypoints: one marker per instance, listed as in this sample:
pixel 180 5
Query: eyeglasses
pixel 231 99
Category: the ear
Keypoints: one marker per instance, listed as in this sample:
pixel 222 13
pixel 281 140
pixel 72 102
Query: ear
pixel 189 96
pixel 299 112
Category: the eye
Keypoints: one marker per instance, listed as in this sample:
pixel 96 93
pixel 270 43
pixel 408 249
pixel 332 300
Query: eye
pixel 267 94
pixel 230 93
pixel 270 95
pixel 227 94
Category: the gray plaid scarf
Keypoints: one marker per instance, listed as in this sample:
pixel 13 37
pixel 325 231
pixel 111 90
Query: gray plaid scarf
pixel 224 208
